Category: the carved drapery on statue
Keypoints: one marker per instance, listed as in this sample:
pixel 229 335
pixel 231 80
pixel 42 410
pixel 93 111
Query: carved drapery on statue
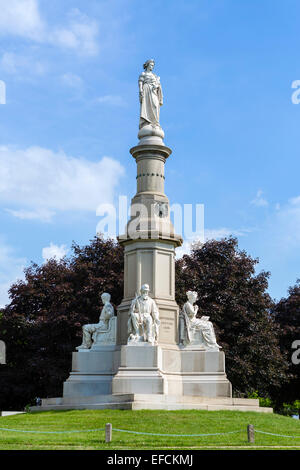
pixel 151 99
pixel 103 332
pixel 196 331
pixel 143 321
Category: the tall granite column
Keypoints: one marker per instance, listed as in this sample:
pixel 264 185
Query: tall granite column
pixel 150 244
pixel 150 240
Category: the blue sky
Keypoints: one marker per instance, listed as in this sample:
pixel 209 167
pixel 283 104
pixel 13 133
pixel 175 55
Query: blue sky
pixel 71 115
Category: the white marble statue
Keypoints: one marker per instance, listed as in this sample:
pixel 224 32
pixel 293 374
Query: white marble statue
pixel 150 94
pixel 92 333
pixel 196 331
pixel 143 322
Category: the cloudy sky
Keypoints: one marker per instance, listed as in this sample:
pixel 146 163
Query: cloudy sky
pixel 229 71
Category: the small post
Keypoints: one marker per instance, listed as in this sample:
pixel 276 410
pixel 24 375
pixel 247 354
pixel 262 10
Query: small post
pixel 250 432
pixel 108 432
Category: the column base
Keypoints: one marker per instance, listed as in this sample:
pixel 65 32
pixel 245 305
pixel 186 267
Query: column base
pixel 92 372
pixel 154 369
pixel 148 377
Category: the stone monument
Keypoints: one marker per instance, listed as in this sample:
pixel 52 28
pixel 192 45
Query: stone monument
pixel 150 241
pixel 143 322
pixel 196 332
pixel 160 357
pixel 102 333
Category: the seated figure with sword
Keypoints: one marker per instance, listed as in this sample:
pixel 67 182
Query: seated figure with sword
pixel 143 319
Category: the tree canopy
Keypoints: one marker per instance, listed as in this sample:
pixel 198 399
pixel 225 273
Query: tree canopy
pixel 287 315
pixel 239 306
pixel 42 324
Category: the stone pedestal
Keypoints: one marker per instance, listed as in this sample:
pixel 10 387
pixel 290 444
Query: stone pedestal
pixel 154 369
pixel 142 375
pixel 149 245
pixel 92 372
pixel 140 370
pixel 148 370
pixel 149 377
pixel 151 262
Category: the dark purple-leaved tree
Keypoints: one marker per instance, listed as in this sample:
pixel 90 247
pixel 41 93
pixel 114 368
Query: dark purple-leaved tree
pixel 287 315
pixel 42 324
pixel 239 306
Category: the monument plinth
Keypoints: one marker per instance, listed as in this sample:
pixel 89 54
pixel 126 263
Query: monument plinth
pixel 161 356
pixel 149 244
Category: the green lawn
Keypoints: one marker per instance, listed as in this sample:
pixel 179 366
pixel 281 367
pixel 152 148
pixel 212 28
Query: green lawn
pixel 164 422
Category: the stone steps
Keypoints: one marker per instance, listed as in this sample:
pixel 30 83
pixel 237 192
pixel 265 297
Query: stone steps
pixel 148 401
pixel 88 399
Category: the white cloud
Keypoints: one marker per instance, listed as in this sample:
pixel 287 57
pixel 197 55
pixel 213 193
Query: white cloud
pixel 23 18
pixel 11 269
pixel 259 200
pixel 12 63
pixel 72 80
pixel 215 234
pixel 284 225
pixel 54 252
pixel 210 234
pixel 113 100
pixel 277 245
pixel 80 35
pixel 184 249
pixel 295 201
pixel 36 182
pixel 43 215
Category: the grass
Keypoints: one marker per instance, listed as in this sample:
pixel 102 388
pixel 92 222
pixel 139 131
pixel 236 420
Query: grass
pixel 155 421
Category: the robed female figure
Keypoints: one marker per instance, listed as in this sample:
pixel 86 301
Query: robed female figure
pixel 151 97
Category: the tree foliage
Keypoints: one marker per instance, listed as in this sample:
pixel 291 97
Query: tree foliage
pixel 287 315
pixel 42 324
pixel 239 306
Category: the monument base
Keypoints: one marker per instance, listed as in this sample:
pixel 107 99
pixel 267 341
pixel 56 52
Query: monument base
pixel 148 377
pixel 150 402
pixel 149 369
pixel 92 371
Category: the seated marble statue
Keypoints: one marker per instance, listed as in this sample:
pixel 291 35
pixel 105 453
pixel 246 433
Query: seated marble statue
pixel 91 331
pixel 196 331
pixel 143 319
